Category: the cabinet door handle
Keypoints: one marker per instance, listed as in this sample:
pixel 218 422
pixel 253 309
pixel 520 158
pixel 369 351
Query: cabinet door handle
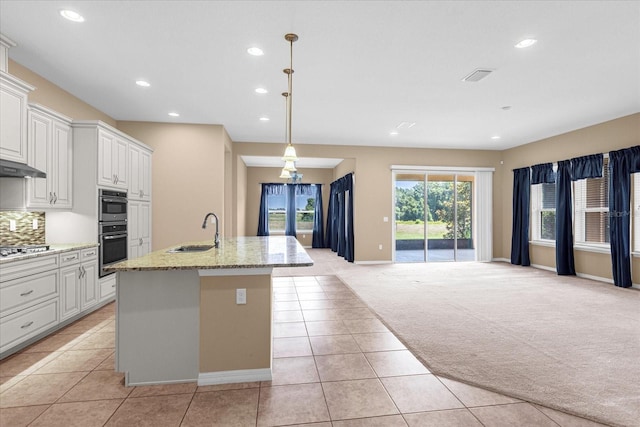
pixel 50 197
pixel 70 258
pixel 141 193
pixel 117 178
pixel 141 241
pixel 55 198
pixel 26 325
pixel 24 294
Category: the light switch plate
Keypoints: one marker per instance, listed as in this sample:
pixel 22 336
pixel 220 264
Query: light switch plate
pixel 241 296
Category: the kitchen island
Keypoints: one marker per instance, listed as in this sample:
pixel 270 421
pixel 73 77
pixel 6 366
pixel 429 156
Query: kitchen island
pixel 200 316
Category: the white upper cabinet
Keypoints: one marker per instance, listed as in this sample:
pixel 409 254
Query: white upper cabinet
pixel 13 118
pixel 113 152
pixel 139 173
pixel 50 148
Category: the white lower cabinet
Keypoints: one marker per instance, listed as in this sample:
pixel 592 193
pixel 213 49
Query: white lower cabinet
pixel 69 292
pixel 27 323
pixel 107 287
pixel 29 300
pixel 37 295
pixel 79 282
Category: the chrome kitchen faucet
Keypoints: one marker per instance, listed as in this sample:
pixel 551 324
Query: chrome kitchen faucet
pixel 216 240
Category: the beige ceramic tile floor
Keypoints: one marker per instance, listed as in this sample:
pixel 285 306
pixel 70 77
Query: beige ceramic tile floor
pixel 335 364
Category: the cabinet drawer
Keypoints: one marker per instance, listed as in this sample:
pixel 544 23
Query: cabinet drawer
pixel 107 287
pixel 24 292
pixel 27 323
pixel 88 254
pixel 17 269
pixel 69 258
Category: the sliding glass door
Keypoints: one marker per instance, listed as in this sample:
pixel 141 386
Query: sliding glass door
pixel 434 217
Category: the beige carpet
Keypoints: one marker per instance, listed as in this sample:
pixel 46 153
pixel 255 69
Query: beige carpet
pixel 564 342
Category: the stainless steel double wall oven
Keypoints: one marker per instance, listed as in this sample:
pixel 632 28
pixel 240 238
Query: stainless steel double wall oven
pixel 112 227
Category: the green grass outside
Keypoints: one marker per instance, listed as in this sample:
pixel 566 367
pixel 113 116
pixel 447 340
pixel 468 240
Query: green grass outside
pixel 409 230
pixel 277 221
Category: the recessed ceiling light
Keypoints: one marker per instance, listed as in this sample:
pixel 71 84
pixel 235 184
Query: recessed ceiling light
pixel 525 43
pixel 173 114
pixel 264 119
pixel 143 83
pixel 506 107
pixel 255 51
pixel 261 90
pixel 71 15
pixel 393 133
pixel 495 137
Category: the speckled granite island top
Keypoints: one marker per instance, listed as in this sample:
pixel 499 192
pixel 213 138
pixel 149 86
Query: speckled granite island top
pixel 239 252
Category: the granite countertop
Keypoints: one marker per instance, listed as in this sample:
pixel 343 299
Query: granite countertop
pixel 54 248
pixel 239 252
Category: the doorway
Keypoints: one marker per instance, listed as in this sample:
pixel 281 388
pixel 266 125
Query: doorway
pixel 434 216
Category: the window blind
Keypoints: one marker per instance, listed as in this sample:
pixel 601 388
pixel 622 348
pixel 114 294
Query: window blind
pixel 591 201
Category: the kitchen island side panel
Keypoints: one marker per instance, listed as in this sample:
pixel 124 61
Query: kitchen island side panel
pixel 235 337
pixel 157 329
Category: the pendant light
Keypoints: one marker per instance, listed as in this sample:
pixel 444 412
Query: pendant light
pixel 290 156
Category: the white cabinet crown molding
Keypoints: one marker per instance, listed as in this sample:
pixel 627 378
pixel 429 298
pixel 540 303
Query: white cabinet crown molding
pixel 90 124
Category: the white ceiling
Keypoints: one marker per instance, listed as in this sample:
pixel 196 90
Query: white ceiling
pixel 361 68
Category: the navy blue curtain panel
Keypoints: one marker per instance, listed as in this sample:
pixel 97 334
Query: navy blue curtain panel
pixel 622 164
pixel 332 219
pixel 263 218
pixel 342 241
pixel 520 224
pixel 340 231
pixel 543 174
pixel 565 264
pixel 318 240
pixel 290 220
pixel 587 167
pixel 350 234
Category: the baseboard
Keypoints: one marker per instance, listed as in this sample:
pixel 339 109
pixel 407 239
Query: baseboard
pixel 230 377
pixel 543 267
pixel 373 262
pixel 581 275
pixel 500 260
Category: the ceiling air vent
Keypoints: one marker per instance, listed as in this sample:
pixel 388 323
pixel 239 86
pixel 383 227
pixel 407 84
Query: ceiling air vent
pixel 477 75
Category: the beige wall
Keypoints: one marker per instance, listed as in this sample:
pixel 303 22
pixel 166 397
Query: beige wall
pixel 257 176
pixel 188 178
pixel 240 203
pixel 235 337
pixel 52 96
pixel 612 135
pixel 373 183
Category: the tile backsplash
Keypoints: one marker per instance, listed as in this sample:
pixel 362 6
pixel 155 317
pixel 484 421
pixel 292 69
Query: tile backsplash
pixel 24 233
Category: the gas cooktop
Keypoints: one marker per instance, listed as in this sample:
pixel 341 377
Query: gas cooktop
pixel 6 251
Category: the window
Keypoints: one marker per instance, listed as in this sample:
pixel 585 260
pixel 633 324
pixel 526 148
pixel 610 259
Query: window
pixel 277 212
pixel 305 210
pixel 591 209
pixel 543 204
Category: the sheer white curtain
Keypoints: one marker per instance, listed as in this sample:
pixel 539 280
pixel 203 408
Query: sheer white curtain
pixel 484 215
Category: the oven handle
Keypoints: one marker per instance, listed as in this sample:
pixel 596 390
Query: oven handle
pixel 117 236
pixel 116 200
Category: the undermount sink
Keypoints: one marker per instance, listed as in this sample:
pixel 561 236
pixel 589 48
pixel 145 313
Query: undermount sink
pixel 190 248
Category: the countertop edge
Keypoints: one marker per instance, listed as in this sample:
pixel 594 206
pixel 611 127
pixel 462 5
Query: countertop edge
pixel 54 249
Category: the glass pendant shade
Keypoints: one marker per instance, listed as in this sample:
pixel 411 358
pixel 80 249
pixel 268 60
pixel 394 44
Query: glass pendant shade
pixel 285 174
pixel 290 154
pixel 290 166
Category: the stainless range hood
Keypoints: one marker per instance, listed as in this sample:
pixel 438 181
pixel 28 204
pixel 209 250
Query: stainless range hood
pixel 10 169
